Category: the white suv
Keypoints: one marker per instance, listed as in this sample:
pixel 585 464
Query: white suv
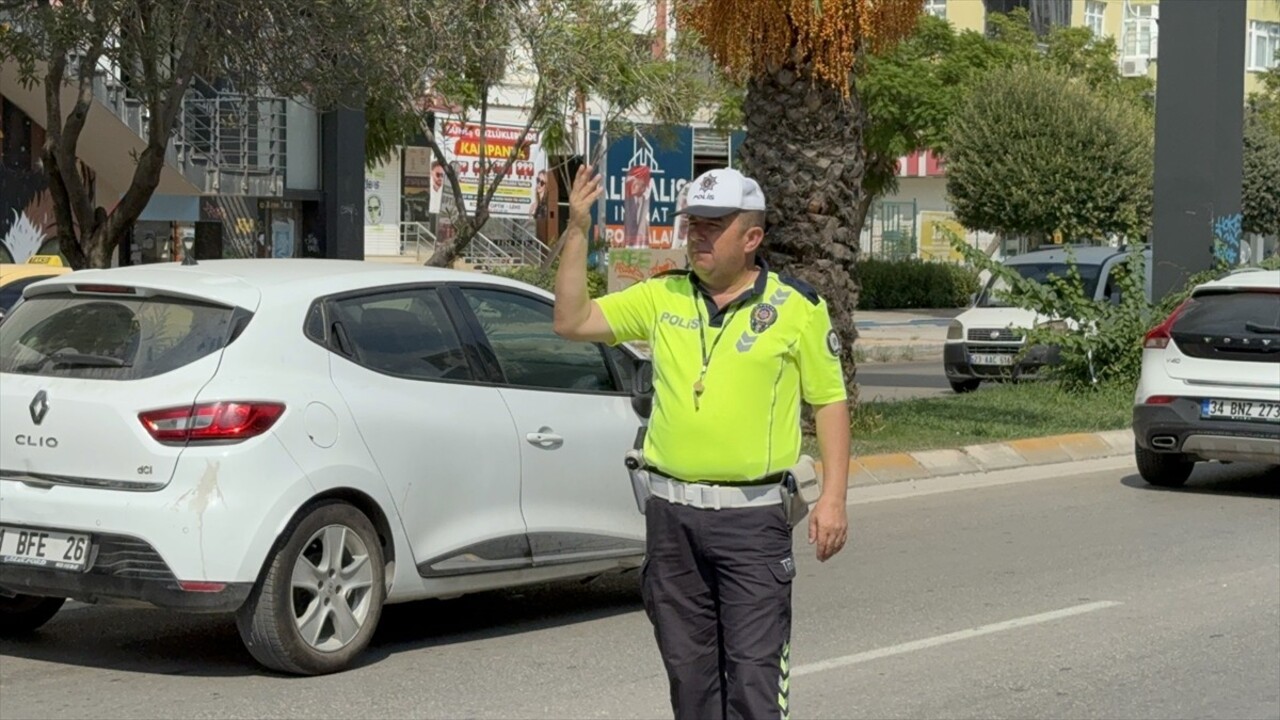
pixel 300 441
pixel 1210 385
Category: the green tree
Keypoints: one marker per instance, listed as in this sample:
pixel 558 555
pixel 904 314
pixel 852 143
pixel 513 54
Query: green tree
pixel 1261 197
pixel 163 47
pixel 1034 152
pixel 465 56
pixel 912 92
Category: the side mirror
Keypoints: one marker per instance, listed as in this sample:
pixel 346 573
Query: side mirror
pixel 642 389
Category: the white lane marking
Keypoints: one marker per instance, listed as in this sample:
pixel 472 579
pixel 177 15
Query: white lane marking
pixel 935 641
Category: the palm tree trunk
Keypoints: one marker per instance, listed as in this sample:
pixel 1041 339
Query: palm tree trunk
pixel 803 146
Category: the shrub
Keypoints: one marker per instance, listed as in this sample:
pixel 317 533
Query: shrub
pixel 899 284
pixel 1034 151
pixel 597 283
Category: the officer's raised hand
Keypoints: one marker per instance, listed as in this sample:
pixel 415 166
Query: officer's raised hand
pixel 587 187
pixel 576 316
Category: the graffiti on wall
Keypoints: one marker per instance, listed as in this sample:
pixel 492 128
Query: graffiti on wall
pixel 242 236
pixel 26 214
pixel 1228 234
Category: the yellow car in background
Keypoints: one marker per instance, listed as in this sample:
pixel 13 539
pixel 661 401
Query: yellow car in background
pixel 14 278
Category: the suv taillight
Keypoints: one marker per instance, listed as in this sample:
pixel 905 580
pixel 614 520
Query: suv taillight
pixel 220 421
pixel 1161 335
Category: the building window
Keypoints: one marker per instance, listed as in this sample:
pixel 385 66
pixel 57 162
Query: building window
pixel 936 8
pixel 1094 14
pixel 1141 30
pixel 1264 45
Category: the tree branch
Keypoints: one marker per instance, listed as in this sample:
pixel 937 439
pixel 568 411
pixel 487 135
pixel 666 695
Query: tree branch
pixel 68 166
pixel 146 176
pixel 484 149
pixel 68 243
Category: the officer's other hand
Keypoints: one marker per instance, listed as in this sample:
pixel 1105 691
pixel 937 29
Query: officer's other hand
pixel 586 190
pixel 828 527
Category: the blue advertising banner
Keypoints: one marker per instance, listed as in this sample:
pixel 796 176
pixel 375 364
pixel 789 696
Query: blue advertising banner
pixel 645 170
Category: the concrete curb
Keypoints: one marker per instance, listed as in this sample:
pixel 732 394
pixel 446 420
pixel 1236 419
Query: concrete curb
pixel 893 352
pixel 897 467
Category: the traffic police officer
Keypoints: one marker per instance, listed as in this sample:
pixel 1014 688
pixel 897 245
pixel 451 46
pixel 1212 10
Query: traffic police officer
pixel 736 348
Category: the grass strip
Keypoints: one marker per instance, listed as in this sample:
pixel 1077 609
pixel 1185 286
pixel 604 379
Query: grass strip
pixel 994 413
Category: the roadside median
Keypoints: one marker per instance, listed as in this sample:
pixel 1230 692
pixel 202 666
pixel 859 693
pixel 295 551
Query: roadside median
pixel 917 465
pixel 995 428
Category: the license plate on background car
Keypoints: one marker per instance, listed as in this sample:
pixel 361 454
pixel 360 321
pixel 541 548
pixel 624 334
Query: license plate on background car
pixel 43 548
pixel 990 359
pixel 1240 410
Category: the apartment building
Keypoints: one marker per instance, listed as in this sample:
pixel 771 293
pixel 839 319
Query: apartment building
pixel 1135 26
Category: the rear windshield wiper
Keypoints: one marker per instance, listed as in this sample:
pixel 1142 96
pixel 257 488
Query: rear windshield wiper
pixel 1252 326
pixel 71 359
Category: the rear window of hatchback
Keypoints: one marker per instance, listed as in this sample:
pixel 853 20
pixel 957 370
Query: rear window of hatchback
pixel 112 338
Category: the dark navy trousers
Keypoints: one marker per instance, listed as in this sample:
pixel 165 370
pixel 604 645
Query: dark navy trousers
pixel 717 586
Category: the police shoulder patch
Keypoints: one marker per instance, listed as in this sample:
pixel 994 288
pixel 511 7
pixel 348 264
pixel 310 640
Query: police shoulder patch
pixel 833 342
pixel 801 287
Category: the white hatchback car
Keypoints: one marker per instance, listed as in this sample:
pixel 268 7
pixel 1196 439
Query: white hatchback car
pixel 1210 384
pixel 300 442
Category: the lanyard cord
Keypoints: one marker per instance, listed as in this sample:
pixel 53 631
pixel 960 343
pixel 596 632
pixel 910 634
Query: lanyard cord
pixel 698 387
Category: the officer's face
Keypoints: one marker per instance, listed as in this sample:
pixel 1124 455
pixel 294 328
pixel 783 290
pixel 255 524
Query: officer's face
pixel 719 247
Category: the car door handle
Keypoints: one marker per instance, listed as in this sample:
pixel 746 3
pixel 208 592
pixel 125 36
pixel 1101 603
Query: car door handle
pixel 544 438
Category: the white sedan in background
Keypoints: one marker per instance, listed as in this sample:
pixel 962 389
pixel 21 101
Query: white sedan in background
pixel 300 442
pixel 1210 384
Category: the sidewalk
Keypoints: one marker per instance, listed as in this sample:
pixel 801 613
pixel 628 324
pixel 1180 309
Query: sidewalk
pixel 897 467
pixel 902 335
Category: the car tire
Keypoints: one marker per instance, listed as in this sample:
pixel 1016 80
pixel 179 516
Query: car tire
pixel 1163 469
pixel 24 614
pixel 965 386
pixel 302 591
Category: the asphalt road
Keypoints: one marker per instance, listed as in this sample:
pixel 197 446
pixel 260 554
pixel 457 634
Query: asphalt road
pixel 1052 592
pixel 899 381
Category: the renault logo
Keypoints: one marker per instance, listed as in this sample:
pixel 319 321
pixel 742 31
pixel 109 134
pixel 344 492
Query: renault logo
pixel 39 407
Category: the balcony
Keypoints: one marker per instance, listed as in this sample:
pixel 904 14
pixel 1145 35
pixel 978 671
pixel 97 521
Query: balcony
pixel 224 142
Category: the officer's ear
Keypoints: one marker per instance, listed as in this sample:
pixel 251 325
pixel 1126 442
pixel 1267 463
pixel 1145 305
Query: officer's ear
pixel 754 233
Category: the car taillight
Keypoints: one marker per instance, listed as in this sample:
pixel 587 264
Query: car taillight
pixel 1161 335
pixel 1159 400
pixel 219 421
pixel 105 289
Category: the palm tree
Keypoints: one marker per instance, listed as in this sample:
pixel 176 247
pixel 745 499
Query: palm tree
pixel 804 125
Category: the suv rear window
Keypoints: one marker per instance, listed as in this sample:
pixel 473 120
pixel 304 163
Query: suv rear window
pixel 109 338
pixel 1234 325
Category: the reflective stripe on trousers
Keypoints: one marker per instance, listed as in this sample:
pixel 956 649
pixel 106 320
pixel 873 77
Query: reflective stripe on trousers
pixel 717 586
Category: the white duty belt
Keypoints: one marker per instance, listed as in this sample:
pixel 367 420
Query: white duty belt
pixel 714 497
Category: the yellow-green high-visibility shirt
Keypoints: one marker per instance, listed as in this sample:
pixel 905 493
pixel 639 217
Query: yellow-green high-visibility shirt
pixel 766 351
